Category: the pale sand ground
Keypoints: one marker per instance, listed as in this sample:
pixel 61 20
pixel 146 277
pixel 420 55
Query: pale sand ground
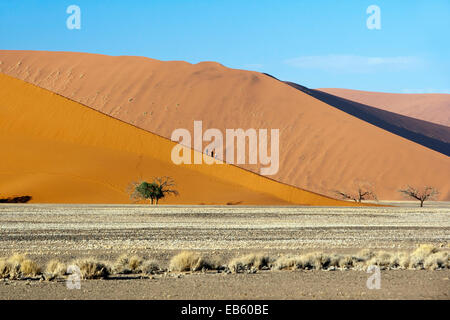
pixel 106 231
pixel 296 285
pixel 321 148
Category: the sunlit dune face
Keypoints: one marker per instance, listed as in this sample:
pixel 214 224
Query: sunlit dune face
pixel 320 148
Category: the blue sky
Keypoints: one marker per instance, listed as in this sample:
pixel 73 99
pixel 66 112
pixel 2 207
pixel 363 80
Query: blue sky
pixel 315 43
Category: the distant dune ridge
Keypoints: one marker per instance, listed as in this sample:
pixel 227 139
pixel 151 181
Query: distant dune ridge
pixel 428 134
pixel 429 107
pixel 321 147
pixel 59 151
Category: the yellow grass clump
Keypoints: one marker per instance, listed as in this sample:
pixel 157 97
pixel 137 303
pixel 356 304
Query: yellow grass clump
pixel 313 260
pixel 55 268
pixel 18 266
pixel 135 262
pixel 149 267
pixel 382 259
pixel 365 254
pixel 5 268
pixel 343 261
pixel 418 256
pixel 250 261
pixel 424 257
pixel 29 268
pixel 400 260
pixel 437 260
pixel 189 261
pixel 17 258
pixel 93 269
pixel 287 262
pixel 125 264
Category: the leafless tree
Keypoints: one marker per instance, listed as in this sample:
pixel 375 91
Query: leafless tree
pixel 426 193
pixel 165 186
pixel 363 191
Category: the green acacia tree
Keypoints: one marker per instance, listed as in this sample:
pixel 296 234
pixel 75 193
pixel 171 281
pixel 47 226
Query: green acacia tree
pixel 153 191
pixel 146 191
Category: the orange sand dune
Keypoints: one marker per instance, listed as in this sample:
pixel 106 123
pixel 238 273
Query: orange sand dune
pixel 429 107
pixel 59 151
pixel 321 147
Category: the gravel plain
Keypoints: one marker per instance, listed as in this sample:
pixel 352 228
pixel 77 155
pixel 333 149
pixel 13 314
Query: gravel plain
pixel 221 232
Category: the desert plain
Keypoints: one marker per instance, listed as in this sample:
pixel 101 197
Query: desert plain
pixel 221 233
pixel 78 129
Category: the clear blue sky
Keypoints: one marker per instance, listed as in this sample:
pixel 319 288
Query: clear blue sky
pixel 315 43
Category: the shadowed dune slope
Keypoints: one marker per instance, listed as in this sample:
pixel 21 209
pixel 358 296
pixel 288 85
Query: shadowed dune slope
pixel 59 151
pixel 321 148
pixel 429 107
pixel 428 134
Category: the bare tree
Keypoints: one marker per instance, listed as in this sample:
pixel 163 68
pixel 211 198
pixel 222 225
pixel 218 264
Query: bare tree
pixel 363 191
pixel 426 193
pixel 164 186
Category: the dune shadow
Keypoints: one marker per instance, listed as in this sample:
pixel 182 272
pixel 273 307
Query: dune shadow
pixel 233 203
pixel 428 134
pixel 431 135
pixel 22 199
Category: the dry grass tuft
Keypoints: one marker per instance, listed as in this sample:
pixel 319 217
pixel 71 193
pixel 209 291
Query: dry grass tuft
pixel 135 262
pixel 29 268
pixel 345 261
pixel 314 260
pixel 93 269
pixel 17 258
pixel 18 266
pixel 287 262
pixel 5 268
pixel 125 264
pixel 55 268
pixel 320 260
pixel 437 260
pixel 9 270
pixel 428 257
pixel 381 259
pixel 418 256
pixel 121 265
pixel 399 260
pixel 425 249
pixel 149 267
pixel 366 254
pixel 424 257
pixel 189 261
pixel 250 261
